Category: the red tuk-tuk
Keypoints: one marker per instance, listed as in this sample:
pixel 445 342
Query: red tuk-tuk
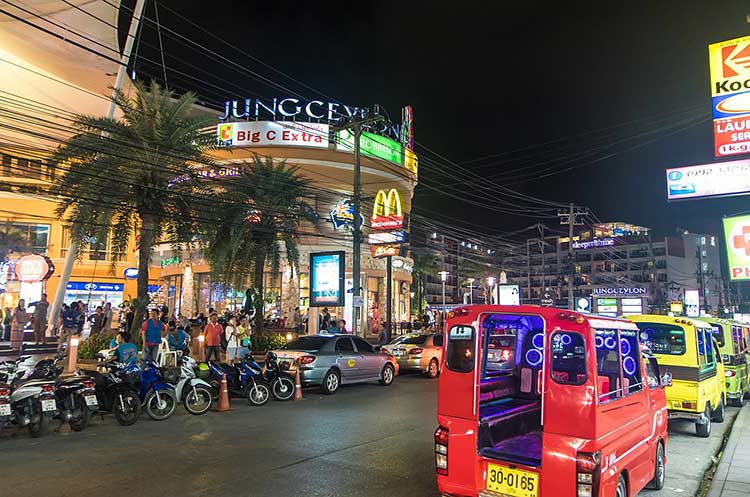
pixel 540 402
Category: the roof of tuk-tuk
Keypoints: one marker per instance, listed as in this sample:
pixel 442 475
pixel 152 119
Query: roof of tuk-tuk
pixel 551 313
pixel 658 318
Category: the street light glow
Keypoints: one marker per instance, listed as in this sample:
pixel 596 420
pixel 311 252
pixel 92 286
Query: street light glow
pixel 444 275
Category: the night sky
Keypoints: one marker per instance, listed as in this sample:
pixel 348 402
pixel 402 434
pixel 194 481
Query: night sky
pixel 490 78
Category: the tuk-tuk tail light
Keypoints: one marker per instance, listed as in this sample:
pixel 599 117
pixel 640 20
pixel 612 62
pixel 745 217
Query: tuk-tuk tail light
pixel 441 450
pixel 730 374
pixel 588 467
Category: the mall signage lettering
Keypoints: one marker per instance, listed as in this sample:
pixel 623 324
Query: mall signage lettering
pixel 313 110
pixel 597 242
pixel 628 290
pixel 94 286
pixel 272 134
pixel 386 237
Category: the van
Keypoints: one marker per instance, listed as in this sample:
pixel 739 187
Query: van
pixel 538 402
pixel 684 347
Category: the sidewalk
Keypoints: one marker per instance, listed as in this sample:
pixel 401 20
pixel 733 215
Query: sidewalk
pixel 732 478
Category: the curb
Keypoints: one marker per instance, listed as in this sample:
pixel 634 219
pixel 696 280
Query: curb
pixel 740 428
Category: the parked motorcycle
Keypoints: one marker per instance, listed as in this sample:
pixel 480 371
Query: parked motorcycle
pixel 32 401
pixel 75 395
pixel 157 396
pixel 282 383
pixel 5 408
pixel 243 380
pixel 194 392
pixel 116 390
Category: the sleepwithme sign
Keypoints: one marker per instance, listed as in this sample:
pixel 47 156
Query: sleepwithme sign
pixel 737 239
pixel 730 93
pixel 327 279
pixel 709 180
pixel 272 134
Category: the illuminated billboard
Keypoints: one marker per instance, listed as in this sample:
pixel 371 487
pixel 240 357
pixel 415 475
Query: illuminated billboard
pixel 730 93
pixel 737 240
pixel 327 279
pixel 709 180
pixel 272 134
pixel 386 211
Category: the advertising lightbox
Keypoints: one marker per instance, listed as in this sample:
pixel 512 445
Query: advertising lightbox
pixel 372 145
pixel 730 91
pixel 508 295
pixel 709 180
pixel 272 134
pixel 327 279
pixel 692 302
pixel 737 241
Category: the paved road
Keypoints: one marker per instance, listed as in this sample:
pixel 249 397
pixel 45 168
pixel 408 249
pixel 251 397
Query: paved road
pixel 366 441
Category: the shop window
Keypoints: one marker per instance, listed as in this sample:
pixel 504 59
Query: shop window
pixel 7 168
pixel 568 358
pixel 35 169
pixel 34 236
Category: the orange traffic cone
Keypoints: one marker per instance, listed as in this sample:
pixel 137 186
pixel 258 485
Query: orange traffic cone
pixel 223 395
pixel 297 386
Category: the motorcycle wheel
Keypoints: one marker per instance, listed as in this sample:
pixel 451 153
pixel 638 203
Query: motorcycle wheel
pixel 126 412
pixel 258 393
pixel 283 388
pixel 215 387
pixel 82 421
pixel 197 400
pixel 161 407
pixel 41 425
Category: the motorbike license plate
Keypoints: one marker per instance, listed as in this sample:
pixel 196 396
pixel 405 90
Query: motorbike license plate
pixel 512 482
pixel 91 401
pixel 4 409
pixel 49 405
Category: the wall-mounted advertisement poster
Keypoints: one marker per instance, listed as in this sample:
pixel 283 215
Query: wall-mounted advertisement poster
pixel 327 279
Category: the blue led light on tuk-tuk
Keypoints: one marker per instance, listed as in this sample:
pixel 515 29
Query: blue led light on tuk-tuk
pixel 565 339
pixel 610 343
pixel 537 357
pixel 538 341
pixel 599 342
pixel 624 347
pixel 628 364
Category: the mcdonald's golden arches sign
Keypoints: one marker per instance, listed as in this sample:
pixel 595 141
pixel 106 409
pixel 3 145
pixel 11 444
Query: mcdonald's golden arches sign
pixel 387 213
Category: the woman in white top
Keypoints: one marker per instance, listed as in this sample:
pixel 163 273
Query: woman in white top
pixel 230 332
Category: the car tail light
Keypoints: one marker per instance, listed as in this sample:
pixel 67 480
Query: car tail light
pixel 306 359
pixel 588 468
pixel 4 391
pixel 730 374
pixel 505 354
pixel 441 450
pixel 88 384
pixel 415 351
pixel 689 405
pixel 48 388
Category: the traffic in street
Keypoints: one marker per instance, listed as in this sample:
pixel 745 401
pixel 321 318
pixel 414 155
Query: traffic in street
pixel 366 441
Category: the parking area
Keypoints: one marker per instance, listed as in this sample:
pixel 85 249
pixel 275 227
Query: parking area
pixel 367 440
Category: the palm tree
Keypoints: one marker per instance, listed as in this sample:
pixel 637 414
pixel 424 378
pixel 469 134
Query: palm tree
pixel 264 207
pixel 424 265
pixel 135 175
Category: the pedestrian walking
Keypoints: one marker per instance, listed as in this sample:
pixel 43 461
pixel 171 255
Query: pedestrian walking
pixel 212 332
pixel 151 334
pixel 230 335
pixel 40 319
pixel 17 325
pixel 108 318
pixel 97 321
pixel 7 319
pixel 69 318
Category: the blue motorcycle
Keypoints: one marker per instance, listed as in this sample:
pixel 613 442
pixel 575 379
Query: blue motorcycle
pixel 157 396
pixel 244 379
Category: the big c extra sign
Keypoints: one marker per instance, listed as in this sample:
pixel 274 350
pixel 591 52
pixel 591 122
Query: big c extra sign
pixel 730 93
pixel 272 134
pixel 737 238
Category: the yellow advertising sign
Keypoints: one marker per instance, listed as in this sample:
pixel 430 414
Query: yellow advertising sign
pixel 730 66
pixel 410 161
pixel 386 212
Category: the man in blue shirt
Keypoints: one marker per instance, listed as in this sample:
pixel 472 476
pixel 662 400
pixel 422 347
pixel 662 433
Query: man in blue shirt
pixel 178 339
pixel 126 352
pixel 151 334
pixel 70 318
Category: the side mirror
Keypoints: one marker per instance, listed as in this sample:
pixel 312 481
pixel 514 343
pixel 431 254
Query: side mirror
pixel 666 380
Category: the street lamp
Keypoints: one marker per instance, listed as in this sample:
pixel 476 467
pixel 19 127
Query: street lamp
pixel 471 291
pixel 443 277
pixel 490 284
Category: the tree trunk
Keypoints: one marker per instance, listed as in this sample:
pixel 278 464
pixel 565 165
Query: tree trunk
pixel 260 263
pixel 147 236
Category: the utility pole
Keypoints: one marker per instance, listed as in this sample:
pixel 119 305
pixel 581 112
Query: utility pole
pixel 356 126
pixel 571 219
pixel 75 245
